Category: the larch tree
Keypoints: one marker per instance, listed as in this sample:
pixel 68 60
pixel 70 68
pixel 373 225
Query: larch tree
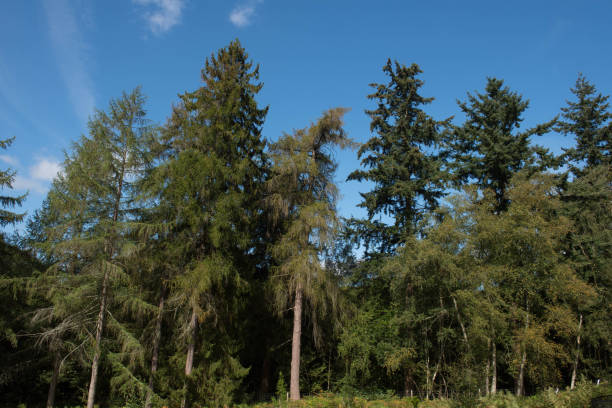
pixel 303 195
pixel 403 158
pixel 93 200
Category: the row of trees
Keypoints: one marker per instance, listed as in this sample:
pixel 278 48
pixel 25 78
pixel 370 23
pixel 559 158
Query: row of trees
pixel 180 264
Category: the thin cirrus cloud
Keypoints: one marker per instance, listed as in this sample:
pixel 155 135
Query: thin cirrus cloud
pixel 71 53
pixel 242 14
pixel 38 176
pixel 8 160
pixel 162 15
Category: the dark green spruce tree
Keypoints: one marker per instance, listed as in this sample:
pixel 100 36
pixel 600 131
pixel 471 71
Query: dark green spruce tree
pixel 489 148
pixel 403 159
pixel 590 121
pixel 587 201
pixel 209 188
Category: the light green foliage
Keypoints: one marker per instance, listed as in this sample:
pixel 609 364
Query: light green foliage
pixel 303 197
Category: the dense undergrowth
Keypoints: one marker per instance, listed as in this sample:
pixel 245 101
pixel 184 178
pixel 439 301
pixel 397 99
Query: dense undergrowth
pixel 580 397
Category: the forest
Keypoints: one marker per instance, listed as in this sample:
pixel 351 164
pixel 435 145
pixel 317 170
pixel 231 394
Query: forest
pixel 196 263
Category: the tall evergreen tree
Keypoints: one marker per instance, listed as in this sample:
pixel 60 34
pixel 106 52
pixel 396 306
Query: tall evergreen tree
pixel 304 197
pixel 590 121
pixel 209 189
pixel 403 159
pixel 93 203
pixel 488 149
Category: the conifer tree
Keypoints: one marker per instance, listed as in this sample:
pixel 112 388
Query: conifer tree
pixel 304 197
pixel 209 189
pixel 93 203
pixel 488 148
pixel 590 121
pixel 403 159
pixel 6 201
pixel 587 202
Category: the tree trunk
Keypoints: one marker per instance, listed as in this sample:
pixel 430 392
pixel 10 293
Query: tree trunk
pixel 294 387
pixel 407 383
pixel 264 383
pixel 520 381
pixel 98 349
pixel 575 369
pixel 487 368
pixel 57 364
pixel 155 354
pixel 493 368
pixel 465 338
pixel 190 353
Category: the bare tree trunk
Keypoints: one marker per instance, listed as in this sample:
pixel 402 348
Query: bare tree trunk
pixel 98 349
pixel 574 371
pixel 264 383
pixel 407 383
pixel 465 338
pixel 520 381
pixel 190 353
pixel 57 364
pixel 294 386
pixel 427 377
pixel 487 368
pixel 493 367
pixel 155 354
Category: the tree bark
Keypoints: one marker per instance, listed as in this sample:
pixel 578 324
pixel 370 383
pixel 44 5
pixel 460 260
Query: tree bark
pixel 98 349
pixel 575 369
pixel 465 338
pixel 520 381
pixel 294 386
pixel 407 383
pixel 493 368
pixel 264 383
pixel 487 368
pixel 155 354
pixel 57 364
pixel 190 353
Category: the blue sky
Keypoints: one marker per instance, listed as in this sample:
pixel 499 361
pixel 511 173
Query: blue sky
pixel 60 59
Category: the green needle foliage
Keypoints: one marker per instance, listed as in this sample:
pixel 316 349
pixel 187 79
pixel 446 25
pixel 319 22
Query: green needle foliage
pixel 590 121
pixel 403 159
pixel 178 265
pixel 208 189
pixel 91 236
pixel 6 201
pixel 303 196
pixel 488 149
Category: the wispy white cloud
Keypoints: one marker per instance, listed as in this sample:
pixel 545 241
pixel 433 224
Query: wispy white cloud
pixel 242 15
pixel 71 54
pixel 11 161
pixel 38 176
pixel 162 15
pixel 45 169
